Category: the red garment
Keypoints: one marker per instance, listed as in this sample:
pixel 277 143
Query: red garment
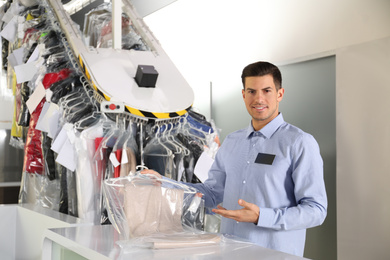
pixel 53 77
pixel 33 155
pixel 100 162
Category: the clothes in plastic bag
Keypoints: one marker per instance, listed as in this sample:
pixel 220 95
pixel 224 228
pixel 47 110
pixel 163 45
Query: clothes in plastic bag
pixel 72 193
pixel 24 114
pixel 61 88
pixel 88 183
pixel 103 165
pixel 159 157
pixel 152 213
pixel 141 205
pixel 33 157
pixel 48 155
pixel 16 130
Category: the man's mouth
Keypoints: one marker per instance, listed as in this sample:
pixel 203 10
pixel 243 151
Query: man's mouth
pixel 259 107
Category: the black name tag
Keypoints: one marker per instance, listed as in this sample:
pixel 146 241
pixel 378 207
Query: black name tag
pixel 265 158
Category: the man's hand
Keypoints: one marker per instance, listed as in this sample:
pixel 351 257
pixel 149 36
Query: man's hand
pixel 249 213
pixel 151 172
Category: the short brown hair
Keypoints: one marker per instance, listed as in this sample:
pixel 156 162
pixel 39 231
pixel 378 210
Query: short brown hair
pixel 262 68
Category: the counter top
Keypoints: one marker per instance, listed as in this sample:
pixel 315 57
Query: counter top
pixel 100 242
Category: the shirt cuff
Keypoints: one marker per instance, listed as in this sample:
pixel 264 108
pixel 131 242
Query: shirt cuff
pixel 266 218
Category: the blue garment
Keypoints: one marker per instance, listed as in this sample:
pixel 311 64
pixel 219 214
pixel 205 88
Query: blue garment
pixel 290 193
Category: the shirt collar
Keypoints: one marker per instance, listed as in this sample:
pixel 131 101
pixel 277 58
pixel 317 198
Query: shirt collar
pixel 267 130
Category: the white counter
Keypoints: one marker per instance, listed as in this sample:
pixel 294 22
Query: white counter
pixel 22 227
pixel 36 233
pixel 99 242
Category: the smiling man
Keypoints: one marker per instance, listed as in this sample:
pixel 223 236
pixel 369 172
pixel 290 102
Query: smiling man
pixel 268 176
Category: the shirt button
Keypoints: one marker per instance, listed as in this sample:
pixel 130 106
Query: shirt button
pixel 247 162
pixel 237 222
pixel 244 182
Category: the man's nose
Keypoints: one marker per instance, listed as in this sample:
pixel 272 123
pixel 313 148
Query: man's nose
pixel 259 96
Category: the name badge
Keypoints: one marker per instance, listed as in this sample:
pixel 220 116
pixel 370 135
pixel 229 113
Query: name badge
pixel 265 158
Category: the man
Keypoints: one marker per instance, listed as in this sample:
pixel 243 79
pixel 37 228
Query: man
pixel 268 176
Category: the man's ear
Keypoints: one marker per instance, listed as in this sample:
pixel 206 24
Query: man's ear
pixel 280 94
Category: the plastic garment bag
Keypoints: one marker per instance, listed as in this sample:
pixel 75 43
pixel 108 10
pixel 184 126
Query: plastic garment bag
pixel 75 105
pixel 87 181
pixel 129 156
pixel 97 30
pixel 33 158
pixel 23 114
pixel 93 23
pixel 124 152
pixel 152 213
pixel 141 205
pixel 103 165
pixel 158 156
pixel 196 148
pixel 64 87
pixel 180 151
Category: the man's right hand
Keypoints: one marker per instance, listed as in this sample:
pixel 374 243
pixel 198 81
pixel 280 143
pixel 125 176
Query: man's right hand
pixel 152 172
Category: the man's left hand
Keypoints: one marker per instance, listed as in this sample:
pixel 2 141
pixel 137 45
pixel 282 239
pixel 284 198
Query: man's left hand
pixel 249 213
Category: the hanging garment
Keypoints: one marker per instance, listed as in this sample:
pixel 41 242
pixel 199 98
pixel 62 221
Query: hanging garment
pixel 117 168
pixel 33 158
pixel 158 156
pixel 63 204
pixel 48 155
pixel 24 114
pixel 196 149
pixel 87 180
pixel 104 166
pixel 72 193
pixel 63 87
pixel 128 162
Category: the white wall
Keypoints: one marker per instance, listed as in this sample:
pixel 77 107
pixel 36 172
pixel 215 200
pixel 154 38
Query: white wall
pixel 363 150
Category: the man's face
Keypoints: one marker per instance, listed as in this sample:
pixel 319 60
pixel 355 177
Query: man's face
pixel 261 99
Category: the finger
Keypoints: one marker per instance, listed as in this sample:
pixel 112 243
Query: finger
pixel 247 205
pixel 244 204
pixel 152 172
pixel 220 210
pixel 220 207
pixel 227 213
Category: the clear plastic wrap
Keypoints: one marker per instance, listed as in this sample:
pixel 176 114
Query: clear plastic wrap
pixel 104 167
pixel 39 190
pixel 88 184
pixel 155 213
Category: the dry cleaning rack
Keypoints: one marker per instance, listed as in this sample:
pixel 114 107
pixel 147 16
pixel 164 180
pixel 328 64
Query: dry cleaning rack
pixel 111 72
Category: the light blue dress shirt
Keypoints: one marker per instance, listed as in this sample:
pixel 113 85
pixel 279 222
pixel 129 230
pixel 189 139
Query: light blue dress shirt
pixel 290 193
